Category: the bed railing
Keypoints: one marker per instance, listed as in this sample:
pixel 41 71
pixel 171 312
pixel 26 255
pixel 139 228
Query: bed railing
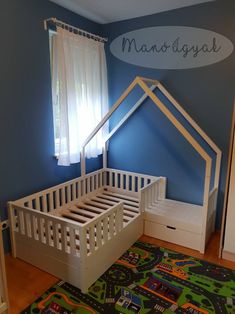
pixel 127 181
pixel 30 216
pixel 62 235
pixel 62 194
pixel 56 232
pixel 152 193
pixel 102 229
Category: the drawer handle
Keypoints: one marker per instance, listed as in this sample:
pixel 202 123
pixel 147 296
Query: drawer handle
pixel 169 227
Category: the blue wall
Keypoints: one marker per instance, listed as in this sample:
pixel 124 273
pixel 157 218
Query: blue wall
pixel 148 143
pixel 26 127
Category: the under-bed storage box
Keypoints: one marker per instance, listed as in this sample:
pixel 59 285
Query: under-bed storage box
pixel 180 223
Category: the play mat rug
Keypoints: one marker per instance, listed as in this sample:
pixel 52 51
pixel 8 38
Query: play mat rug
pixel 147 279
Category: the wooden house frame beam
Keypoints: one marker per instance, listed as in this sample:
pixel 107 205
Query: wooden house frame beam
pixel 142 82
pixel 207 139
pixel 186 135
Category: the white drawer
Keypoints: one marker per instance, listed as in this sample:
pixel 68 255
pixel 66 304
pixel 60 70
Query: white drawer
pixel 172 234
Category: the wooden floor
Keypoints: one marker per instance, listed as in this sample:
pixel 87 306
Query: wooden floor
pixel 26 283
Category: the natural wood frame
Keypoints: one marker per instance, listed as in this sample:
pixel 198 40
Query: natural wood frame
pixel 142 82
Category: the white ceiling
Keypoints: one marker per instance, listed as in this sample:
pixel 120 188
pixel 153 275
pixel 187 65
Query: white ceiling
pixel 107 11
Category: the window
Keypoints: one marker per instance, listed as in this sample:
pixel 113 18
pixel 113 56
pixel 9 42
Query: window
pixel 79 94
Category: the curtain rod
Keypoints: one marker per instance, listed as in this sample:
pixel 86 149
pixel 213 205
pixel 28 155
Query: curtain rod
pixel 73 29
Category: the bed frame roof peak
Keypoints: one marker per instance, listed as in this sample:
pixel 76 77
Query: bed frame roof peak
pixel 148 85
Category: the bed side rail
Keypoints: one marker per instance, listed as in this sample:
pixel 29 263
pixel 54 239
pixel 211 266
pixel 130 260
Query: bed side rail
pixel 62 194
pixel 153 192
pixel 127 181
pixel 55 232
pixel 63 235
pixel 102 229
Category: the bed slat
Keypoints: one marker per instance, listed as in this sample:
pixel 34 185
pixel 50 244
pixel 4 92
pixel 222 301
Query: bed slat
pixel 123 196
pixel 127 202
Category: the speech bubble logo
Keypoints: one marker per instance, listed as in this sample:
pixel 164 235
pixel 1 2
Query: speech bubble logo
pixel 171 47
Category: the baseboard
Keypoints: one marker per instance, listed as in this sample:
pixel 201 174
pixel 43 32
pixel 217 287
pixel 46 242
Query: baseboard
pixel 228 256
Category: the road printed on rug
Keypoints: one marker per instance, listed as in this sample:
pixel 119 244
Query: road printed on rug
pixel 147 279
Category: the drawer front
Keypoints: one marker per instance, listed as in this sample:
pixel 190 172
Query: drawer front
pixel 172 235
pixel 190 226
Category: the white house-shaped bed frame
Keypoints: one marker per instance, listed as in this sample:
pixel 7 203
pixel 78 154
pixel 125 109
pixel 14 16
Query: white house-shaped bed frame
pixel 209 196
pixel 67 228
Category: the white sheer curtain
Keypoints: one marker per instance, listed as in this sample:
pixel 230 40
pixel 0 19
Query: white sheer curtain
pixel 80 94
